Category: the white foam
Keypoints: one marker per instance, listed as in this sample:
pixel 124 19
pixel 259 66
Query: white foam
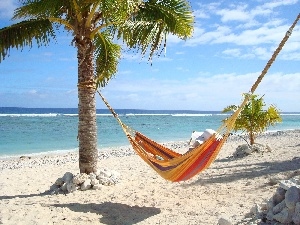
pixel 188 114
pixel 32 115
pixel 147 114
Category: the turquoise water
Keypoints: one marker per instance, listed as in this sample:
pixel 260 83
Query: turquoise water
pixel 27 131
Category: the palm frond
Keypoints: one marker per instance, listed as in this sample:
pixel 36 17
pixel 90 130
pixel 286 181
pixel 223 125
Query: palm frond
pixel 23 34
pixel 107 55
pixel 147 29
pixel 117 11
pixel 33 9
pixel 175 14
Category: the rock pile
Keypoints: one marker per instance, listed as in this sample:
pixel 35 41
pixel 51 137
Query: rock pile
pixel 82 181
pixel 283 207
pixel 244 150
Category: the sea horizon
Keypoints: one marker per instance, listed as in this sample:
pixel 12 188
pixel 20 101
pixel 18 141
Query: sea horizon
pixel 10 109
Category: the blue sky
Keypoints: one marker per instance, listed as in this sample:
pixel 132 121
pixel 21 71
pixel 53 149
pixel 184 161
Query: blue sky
pixel 231 44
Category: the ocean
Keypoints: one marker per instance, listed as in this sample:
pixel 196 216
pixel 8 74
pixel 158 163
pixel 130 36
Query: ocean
pixel 25 131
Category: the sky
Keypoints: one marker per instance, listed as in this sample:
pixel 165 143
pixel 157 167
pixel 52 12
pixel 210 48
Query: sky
pixel 231 44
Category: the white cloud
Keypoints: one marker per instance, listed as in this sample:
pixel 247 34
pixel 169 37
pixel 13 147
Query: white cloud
pixel 202 37
pixel 237 14
pixel 172 39
pixel 261 52
pixel 201 14
pixel 209 7
pixel 291 56
pixel 235 52
pixel 246 26
pixel 33 92
pixel 182 69
pixel 224 34
pixel 277 3
pixel 210 92
pixel 242 12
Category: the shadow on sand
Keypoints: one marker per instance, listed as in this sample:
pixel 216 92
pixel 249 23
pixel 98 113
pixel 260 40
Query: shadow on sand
pixel 24 196
pixel 114 213
pixel 241 171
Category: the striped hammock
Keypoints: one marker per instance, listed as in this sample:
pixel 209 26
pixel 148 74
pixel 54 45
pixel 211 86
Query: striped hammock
pixel 177 167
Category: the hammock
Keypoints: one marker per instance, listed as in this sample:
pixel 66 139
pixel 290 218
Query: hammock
pixel 177 167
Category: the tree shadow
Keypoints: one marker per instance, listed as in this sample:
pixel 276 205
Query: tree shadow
pixel 114 213
pixel 232 173
pixel 24 196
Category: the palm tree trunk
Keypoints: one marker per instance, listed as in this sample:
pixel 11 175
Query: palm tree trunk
pixel 87 126
pixel 251 138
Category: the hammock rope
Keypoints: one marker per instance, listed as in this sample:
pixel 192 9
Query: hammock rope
pixel 177 167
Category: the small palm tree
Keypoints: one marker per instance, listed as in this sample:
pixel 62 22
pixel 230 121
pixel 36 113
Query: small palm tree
pixel 253 118
pixel 96 25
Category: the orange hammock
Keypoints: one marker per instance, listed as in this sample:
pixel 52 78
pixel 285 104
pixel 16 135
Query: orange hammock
pixel 177 167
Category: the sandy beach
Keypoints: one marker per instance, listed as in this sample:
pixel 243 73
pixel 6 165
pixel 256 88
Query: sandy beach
pixel 228 189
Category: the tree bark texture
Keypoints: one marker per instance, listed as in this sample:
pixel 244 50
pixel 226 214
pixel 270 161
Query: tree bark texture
pixel 87 126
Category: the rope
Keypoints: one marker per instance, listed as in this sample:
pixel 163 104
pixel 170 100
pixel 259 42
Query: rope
pixel 90 84
pixel 124 126
pixel 275 54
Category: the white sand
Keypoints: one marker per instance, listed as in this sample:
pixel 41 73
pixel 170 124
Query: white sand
pixel 229 188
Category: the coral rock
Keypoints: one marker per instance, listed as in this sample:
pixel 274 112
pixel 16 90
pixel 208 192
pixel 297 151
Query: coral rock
pixel 92 176
pixel 67 177
pixel 96 187
pixel 270 203
pixel 59 182
pixel 94 182
pixel 106 173
pixel 270 215
pixel 224 221
pixel 70 183
pixel 279 207
pixel 86 185
pixel 279 195
pixel 64 187
pixel 255 210
pixel 285 216
pixel 115 174
pixel 296 216
pixel 286 184
pixel 80 178
pixel 292 196
pixel 71 187
pixel 104 181
pixel 54 191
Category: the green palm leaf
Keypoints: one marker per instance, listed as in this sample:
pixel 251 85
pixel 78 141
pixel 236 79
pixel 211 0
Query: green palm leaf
pixel 117 11
pixel 23 34
pixel 107 55
pixel 43 9
pixel 148 28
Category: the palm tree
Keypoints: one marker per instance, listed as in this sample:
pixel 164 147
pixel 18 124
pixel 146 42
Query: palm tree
pixel 96 26
pixel 254 119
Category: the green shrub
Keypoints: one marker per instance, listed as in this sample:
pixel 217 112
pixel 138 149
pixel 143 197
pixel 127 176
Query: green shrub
pixel 254 119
